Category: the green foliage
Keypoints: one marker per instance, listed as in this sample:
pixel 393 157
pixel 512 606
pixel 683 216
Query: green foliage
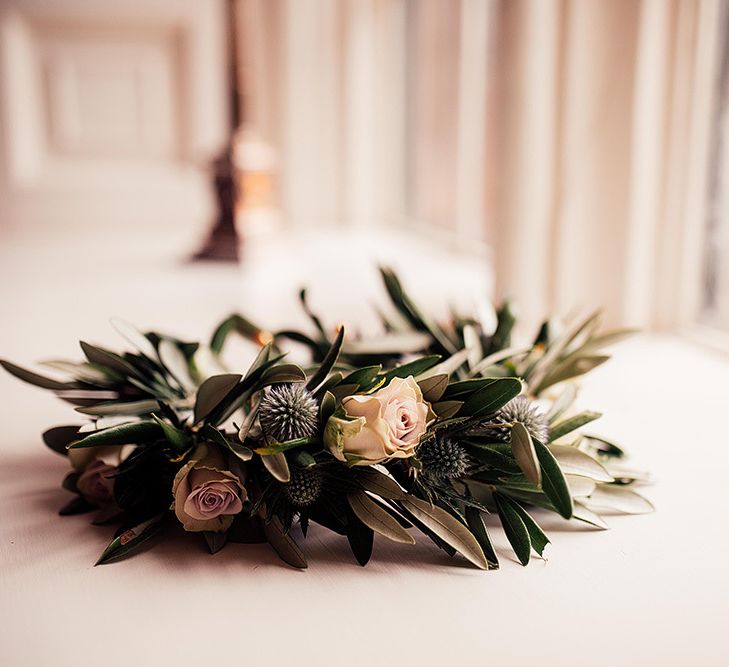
pixel 158 405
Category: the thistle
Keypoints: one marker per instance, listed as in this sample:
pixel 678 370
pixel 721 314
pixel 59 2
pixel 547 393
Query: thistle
pixel 304 487
pixel 443 457
pixel 521 409
pixel 288 412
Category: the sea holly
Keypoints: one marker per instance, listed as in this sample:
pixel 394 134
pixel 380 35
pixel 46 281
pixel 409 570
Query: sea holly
pixel 426 429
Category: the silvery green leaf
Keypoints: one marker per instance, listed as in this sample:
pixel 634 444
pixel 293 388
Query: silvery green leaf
pixel 283 373
pixel 378 519
pixel 448 366
pixel 495 358
pixel 130 408
pixel 278 467
pixel 472 343
pixel 581 513
pixel 135 337
pixel 557 347
pixel 283 544
pixel 619 498
pixel 379 483
pixel 525 454
pixel 34 378
pixel 81 371
pixel 576 462
pixel 624 474
pixel 579 486
pixel 448 529
pixel 570 370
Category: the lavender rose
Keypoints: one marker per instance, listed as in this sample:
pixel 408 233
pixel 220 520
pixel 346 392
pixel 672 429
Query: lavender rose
pixel 207 495
pixel 377 427
pixel 95 482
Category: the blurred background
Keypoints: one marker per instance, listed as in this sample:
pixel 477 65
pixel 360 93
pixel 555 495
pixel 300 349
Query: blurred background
pixel 170 161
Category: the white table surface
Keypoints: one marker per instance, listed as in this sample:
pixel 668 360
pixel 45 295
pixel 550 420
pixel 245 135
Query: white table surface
pixel 654 590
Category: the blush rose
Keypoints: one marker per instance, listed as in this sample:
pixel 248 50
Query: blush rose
pixel 206 494
pixel 376 427
pixel 96 484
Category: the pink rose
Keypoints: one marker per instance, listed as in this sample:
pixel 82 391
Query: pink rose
pixel 380 426
pixel 207 496
pixel 96 484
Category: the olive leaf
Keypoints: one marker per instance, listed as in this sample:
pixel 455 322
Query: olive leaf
pixel 573 423
pixel 525 454
pixel 448 529
pixel 212 392
pixel 378 519
pixel 131 540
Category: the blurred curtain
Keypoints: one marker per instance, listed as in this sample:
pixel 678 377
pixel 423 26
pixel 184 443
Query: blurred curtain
pixel 604 113
pixel 377 110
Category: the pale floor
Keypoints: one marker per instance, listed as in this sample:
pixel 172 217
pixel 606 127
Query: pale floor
pixel 654 590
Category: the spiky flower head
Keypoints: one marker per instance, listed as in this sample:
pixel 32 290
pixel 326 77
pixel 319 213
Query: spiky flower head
pixel 521 409
pixel 304 487
pixel 288 412
pixel 442 457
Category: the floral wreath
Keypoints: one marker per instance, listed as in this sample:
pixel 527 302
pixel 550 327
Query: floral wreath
pixel 427 428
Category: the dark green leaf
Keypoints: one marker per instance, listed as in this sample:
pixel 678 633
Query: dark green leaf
pixel 491 457
pixel 492 396
pixel 361 539
pixel 215 541
pixel 121 408
pixel 283 544
pixel 447 409
pixel 571 424
pixel 283 373
pixel 33 378
pixel 131 540
pixel 363 377
pixel 516 531
pixel 179 439
pixel 327 364
pixel 212 392
pixel 536 535
pixel 433 387
pixel 413 368
pixel 59 437
pixel 124 434
pixel 478 529
pixel 238 324
pixel 553 481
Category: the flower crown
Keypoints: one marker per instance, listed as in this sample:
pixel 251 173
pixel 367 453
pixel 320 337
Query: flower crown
pixel 427 428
